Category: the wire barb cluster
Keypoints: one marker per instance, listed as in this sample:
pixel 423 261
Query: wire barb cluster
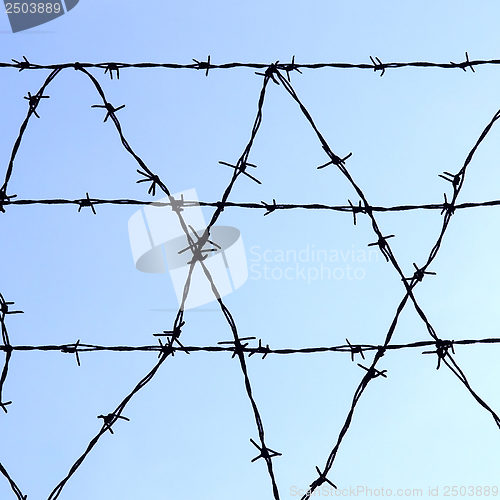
pixel 242 348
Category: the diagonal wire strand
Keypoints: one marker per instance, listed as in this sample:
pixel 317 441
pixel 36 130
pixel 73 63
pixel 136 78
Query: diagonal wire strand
pixel 112 417
pixel 386 250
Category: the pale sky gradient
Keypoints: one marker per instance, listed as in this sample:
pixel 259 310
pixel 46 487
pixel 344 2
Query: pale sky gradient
pixel 73 274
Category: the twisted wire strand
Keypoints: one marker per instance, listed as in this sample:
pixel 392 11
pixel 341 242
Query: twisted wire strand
pixel 375 65
pixel 268 207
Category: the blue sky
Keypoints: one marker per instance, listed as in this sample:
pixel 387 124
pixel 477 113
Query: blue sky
pixel 73 274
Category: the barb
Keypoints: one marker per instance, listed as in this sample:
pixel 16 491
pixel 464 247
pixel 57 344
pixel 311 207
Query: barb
pixel 113 67
pixel 265 453
pixel 241 168
pixel 378 65
pixel 110 419
pixel 21 65
pixel 288 68
pixel 384 246
pixel 373 372
pixel 87 202
pixel 110 109
pixel 321 479
pixel 418 275
pixel 442 347
pixel 34 101
pixel 464 65
pixel 203 65
pixel 72 349
pixel 355 350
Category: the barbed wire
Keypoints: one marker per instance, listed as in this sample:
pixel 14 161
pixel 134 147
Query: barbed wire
pixel 349 348
pixel 239 347
pixel 268 207
pixel 375 65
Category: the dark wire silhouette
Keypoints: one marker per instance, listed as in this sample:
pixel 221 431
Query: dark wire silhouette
pixel 238 347
pixel 206 66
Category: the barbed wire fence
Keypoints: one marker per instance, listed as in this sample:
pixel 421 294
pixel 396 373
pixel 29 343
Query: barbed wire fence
pixel 243 347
